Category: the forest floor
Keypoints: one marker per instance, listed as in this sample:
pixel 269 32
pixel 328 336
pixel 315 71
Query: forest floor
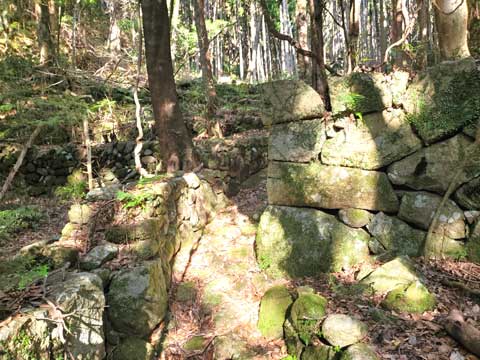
pixel 217 291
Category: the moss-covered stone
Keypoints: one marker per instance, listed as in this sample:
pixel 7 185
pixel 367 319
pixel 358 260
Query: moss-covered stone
pixel 392 274
pixel 138 299
pixel 443 99
pixel 292 341
pixel 318 352
pixel 290 100
pixel 297 242
pixel 98 256
pixel 360 92
pixel 418 208
pixel 473 249
pixel 412 298
pixel 329 187
pixel 395 236
pixel 186 291
pixel 343 330
pixel 433 168
pixel 273 311
pixel 356 218
pixel 79 214
pixel 374 141
pixel 306 313
pixel 359 351
pixel 133 348
pixel 297 141
pixel 442 246
pixel 195 343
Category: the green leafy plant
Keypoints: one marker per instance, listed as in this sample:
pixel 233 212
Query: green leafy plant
pixel 36 273
pixel 337 348
pixel 264 262
pixel 15 220
pixel 290 357
pixel 133 200
pixel 73 191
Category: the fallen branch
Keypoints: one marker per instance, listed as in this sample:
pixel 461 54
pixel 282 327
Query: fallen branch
pixel 461 286
pixel 464 333
pixel 19 162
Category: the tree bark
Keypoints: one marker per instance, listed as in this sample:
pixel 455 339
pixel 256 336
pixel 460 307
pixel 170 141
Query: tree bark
pixel 205 62
pixel 353 33
pixel 451 18
pixel 44 34
pixel 423 33
pixel 175 143
pixel 302 31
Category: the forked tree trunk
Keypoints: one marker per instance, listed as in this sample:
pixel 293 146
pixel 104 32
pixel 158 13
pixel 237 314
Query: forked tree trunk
pixel 451 19
pixel 175 143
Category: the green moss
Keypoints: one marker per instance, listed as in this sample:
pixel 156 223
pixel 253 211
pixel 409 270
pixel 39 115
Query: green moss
pixel 273 311
pixel 306 313
pixel 473 249
pixel 195 343
pixel 445 100
pixel 186 291
pixel 413 298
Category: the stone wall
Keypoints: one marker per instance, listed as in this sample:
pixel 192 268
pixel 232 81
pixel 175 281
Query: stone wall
pixel 126 275
pixel 364 182
pixel 230 161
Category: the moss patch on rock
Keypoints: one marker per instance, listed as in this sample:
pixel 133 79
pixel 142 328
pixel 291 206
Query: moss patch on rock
pixel 273 311
pixel 413 298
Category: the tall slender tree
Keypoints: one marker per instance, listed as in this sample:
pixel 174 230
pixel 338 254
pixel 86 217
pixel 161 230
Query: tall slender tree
pixel 175 143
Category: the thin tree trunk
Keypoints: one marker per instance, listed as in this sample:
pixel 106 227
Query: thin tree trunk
pixel 353 33
pixel 175 143
pixel 302 31
pixel 382 31
pixel 45 39
pixel 18 164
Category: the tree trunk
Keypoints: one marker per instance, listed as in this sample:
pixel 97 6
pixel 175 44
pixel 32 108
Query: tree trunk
pixel 451 18
pixel 353 33
pixel 382 32
pixel 423 33
pixel 205 58
pixel 302 31
pixel 465 333
pixel 114 45
pixel 320 83
pixel 45 40
pixel 175 143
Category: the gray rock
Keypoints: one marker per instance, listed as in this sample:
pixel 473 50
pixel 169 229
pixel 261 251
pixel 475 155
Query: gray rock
pixel 318 352
pixel 432 168
pixel 360 92
pixel 359 351
pixel 103 193
pixel 398 86
pixel 290 100
pixel 442 246
pixel 98 256
pixel 373 142
pixel 329 187
pixel 343 330
pixel 468 195
pixel 79 293
pixel 297 242
pixel 138 299
pixel 471 216
pixel 392 274
pixel 418 208
pixel 306 313
pixel 356 218
pixel 297 141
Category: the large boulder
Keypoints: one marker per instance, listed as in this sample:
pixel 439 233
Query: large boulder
pixel 273 311
pixel 290 100
pixel 343 330
pixel 443 99
pixel 32 336
pixel 418 208
pixel 133 348
pixel 395 236
pixel 441 246
pixel 374 141
pixel 360 92
pixel 297 242
pixel 138 299
pixel 468 195
pixel 433 168
pixel 297 141
pixel 329 187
